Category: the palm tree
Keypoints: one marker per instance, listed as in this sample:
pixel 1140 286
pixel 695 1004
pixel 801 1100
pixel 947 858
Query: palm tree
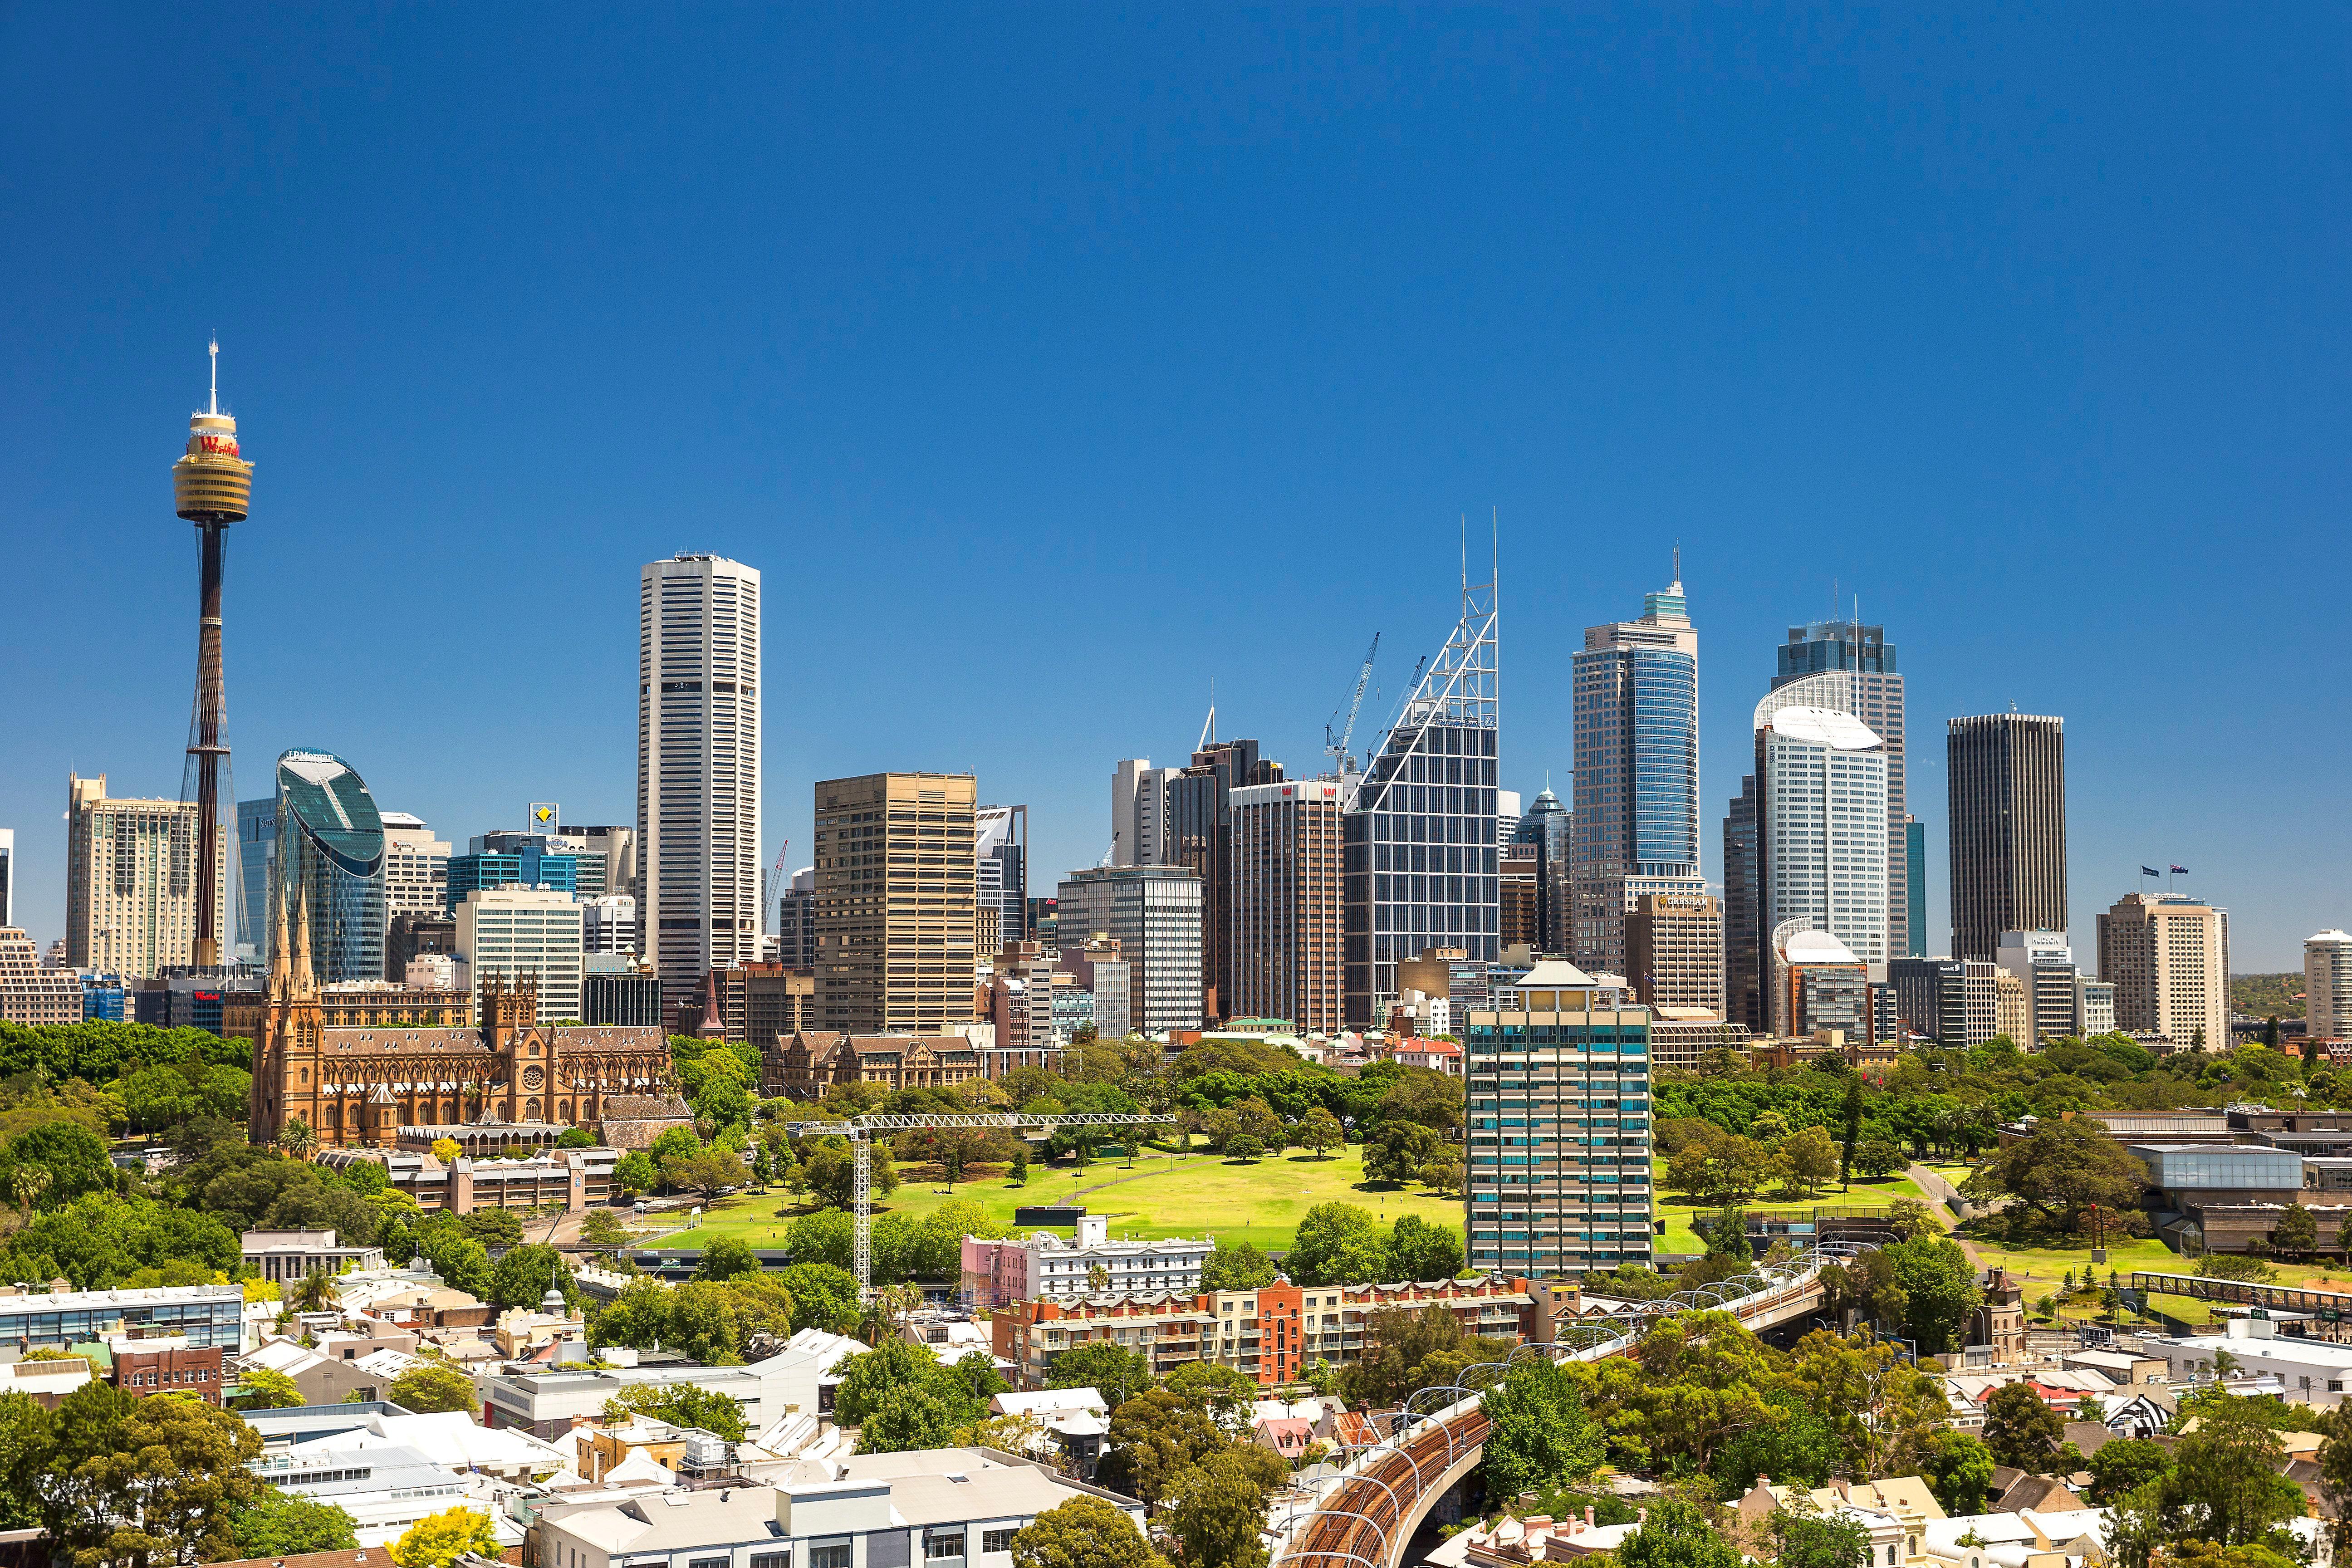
pixel 297 1139
pixel 26 1186
pixel 314 1292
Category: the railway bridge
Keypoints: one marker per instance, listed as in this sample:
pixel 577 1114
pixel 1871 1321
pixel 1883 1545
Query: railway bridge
pixel 1365 1517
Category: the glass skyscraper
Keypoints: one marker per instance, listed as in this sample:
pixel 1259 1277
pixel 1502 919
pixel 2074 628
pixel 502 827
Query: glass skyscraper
pixel 329 865
pixel 1636 815
pixel 257 869
pixel 1875 695
pixel 1420 864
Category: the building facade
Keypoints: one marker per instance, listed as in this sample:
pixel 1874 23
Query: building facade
pixel 2045 966
pixel 1872 690
pixel 2006 786
pixel 2327 986
pixel 1743 910
pixel 797 921
pixel 1545 833
pixel 698 833
pixel 1100 969
pixel 1285 935
pixel 8 876
pixel 131 890
pixel 329 867
pixel 1949 1000
pixel 1823 814
pixel 416 871
pixel 2169 958
pixel 609 925
pixel 808 1063
pixel 1001 871
pixel 1559 1153
pixel 1674 951
pixel 1040 1268
pixel 508 936
pixel 1420 867
pixel 896 884
pixel 614 989
pixel 1155 915
pixel 1636 818
pixel 32 994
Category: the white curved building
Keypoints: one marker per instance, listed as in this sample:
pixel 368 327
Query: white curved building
pixel 1822 828
pixel 2328 986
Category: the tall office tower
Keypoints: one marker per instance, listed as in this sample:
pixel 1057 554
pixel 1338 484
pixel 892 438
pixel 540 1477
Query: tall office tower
pixel 1544 831
pixel 8 876
pixel 796 921
pixel 617 847
pixel 1286 933
pixel 895 892
pixel 1817 984
pixel 1507 812
pixel 1874 694
pixel 520 935
pixel 1421 868
pixel 609 924
pixel 2327 986
pixel 1952 1000
pixel 1520 891
pixel 1673 947
pixel 1743 912
pixel 1002 850
pixel 2045 966
pixel 212 487
pixel 130 900
pixel 1822 819
pixel 1564 1065
pixel 1138 812
pixel 698 767
pixel 415 876
pixel 1155 914
pixel 544 858
pixel 1200 828
pixel 2006 782
pixel 1915 887
pixel 524 867
pixel 2168 955
pixel 329 865
pixel 1636 720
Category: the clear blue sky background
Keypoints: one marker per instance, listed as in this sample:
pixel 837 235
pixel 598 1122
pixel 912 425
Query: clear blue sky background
pixel 1052 361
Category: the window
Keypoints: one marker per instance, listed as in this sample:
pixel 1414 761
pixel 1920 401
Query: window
pixel 829 1557
pixel 942 1543
pixel 707 1562
pixel 996 1539
pixel 772 1560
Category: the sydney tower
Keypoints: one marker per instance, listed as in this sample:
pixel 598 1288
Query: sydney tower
pixel 212 485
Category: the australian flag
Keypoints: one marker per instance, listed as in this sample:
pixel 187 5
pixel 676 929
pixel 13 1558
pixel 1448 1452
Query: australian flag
pixel 2180 871
pixel 2149 871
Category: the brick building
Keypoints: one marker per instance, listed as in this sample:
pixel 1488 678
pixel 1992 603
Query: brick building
pixel 143 1367
pixel 809 1063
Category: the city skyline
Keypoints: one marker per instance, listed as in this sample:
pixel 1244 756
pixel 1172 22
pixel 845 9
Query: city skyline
pixel 2024 479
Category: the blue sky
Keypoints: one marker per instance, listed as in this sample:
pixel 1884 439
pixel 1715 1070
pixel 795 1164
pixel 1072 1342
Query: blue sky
pixel 1052 361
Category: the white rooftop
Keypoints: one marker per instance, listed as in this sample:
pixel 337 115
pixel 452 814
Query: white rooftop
pixel 1824 727
pixel 1816 947
pixel 1553 975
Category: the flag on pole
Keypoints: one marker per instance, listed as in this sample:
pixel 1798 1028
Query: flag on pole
pixel 2180 871
pixel 2149 871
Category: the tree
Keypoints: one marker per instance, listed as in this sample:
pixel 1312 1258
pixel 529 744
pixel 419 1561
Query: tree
pixel 1238 1266
pixel 524 1276
pixel 431 1388
pixel 1810 1159
pixel 445 1150
pixel 1958 1470
pixel 298 1139
pixel 1337 1244
pixel 137 1480
pixel 2060 1169
pixel 1804 1537
pixel 1221 1391
pixel 866 1377
pixel 2297 1232
pixel 635 1174
pixel 2334 1476
pixel 1432 1099
pixel 1540 1436
pixel 2021 1430
pixel 1939 1288
pixel 1851 1117
pixel 907 1418
pixel 70 1156
pixel 680 1404
pixel 706 1171
pixel 1243 1149
pixel 824 1297
pixel 602 1227
pixel 1083 1532
pixel 1112 1371
pixel 266 1389
pixel 2225 1478
pixel 1321 1130
pixel 1677 1535
pixel 438 1540
pixel 1396 1151
pixel 1155 1438
pixel 727 1257
pixel 1878 1157
pixel 2125 1465
pixel 1418 1249
pixel 279 1524
pixel 1218 1507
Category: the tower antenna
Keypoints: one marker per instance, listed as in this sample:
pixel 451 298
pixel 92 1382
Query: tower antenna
pixel 214 408
pixel 212 485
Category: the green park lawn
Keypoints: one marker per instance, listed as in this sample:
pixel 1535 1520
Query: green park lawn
pixel 1164 1195
pixel 1678 1211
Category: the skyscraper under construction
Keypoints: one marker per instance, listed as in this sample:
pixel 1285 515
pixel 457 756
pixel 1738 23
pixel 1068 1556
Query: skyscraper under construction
pixel 212 485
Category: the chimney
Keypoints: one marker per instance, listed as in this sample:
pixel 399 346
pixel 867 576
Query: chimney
pixel 1588 1518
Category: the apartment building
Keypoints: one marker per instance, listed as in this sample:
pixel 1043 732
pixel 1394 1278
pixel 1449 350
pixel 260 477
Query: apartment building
pixel 2168 956
pixel 896 885
pixel 30 994
pixel 1039 1266
pixel 131 896
pixel 1272 1334
pixel 1673 950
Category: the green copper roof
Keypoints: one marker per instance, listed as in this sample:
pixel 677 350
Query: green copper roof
pixel 332 805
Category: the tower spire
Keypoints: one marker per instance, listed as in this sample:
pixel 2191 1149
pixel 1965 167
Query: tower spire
pixel 212 485
pixel 214 408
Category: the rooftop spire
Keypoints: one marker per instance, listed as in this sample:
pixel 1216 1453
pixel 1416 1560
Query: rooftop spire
pixel 214 407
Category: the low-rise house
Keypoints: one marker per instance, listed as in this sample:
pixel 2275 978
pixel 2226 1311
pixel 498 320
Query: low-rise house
pixel 322 1379
pixel 2028 1538
pixel 385 1489
pixel 1043 1267
pixel 1287 1435
pixel 687 1452
pixel 1073 1420
pixel 1895 1511
pixel 168 1364
pixel 1513 1542
pixel 797 1378
pixel 451 1439
pixel 46 1381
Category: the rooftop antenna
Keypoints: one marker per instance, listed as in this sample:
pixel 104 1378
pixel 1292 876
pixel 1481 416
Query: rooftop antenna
pixel 1679 562
pixel 1209 725
pixel 1465 552
pixel 214 408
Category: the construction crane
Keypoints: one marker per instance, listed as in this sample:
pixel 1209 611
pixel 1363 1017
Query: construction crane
pixel 1337 750
pixel 861 1130
pixel 773 887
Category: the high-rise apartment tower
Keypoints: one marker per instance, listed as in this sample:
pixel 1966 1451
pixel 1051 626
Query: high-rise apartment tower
pixel 698 767
pixel 1636 725
pixel 2326 986
pixel 2169 957
pixel 2005 778
pixel 130 885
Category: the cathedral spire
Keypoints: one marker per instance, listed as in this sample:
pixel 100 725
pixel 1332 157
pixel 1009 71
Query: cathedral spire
pixel 305 979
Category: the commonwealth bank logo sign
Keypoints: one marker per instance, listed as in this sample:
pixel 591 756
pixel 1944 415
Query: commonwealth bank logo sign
pixel 545 815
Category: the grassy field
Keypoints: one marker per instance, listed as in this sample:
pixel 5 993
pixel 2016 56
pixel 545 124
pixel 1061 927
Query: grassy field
pixel 1678 1211
pixel 1163 1194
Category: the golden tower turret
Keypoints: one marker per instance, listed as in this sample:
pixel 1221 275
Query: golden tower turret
pixel 211 483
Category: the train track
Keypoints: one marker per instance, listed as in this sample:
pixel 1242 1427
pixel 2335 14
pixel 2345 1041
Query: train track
pixel 1367 1518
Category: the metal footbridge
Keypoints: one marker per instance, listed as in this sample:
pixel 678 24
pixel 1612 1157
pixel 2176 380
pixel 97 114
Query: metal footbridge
pixel 1365 1517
